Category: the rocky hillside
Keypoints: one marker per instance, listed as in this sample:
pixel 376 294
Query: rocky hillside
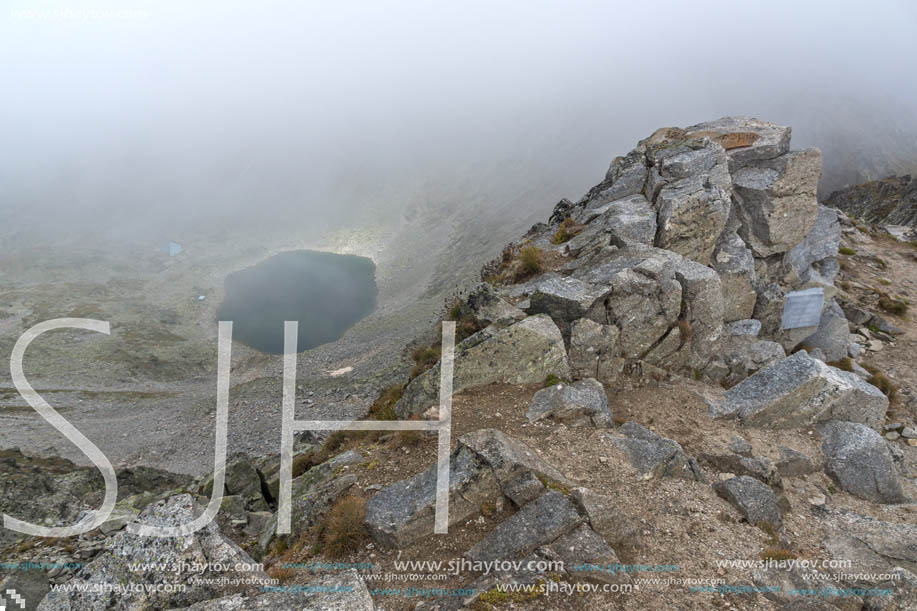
pixel 890 201
pixel 635 425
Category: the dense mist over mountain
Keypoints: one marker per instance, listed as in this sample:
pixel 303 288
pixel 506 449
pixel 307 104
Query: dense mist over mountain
pixel 223 114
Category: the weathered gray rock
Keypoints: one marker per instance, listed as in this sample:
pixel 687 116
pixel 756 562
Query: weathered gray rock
pixel 759 467
pixel 580 403
pixel 402 513
pixel 819 244
pixel 312 495
pixel 341 591
pixel 799 391
pixel 565 299
pixel 589 552
pixel 538 523
pixel 486 463
pixel 490 308
pixel 857 458
pixel 205 547
pixel 523 353
pixel 745 356
pixel 593 351
pixel 744 328
pixel 832 334
pixel 734 262
pixel 702 308
pixel 607 519
pixel 745 139
pixel 506 457
pixel 644 298
pixel 776 201
pixel 652 455
pixel 754 499
pixel 872 546
pixel 525 488
pixel 625 176
pixel 738 445
pixel 694 204
pixel 630 220
pixel 902 596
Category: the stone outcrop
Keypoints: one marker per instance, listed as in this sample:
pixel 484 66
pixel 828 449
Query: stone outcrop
pixel 486 465
pixel 654 456
pixel 522 353
pixel 890 201
pixel 799 391
pixel 205 548
pixel 755 500
pixel 857 458
pixel 693 229
pixel 580 403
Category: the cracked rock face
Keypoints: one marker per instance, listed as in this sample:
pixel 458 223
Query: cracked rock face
pixel 580 403
pixel 525 352
pixel 858 459
pixel 207 547
pixel 486 465
pixel 799 391
pixel 652 455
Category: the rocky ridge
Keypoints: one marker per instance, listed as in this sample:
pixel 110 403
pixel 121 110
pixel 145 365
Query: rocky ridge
pixel 670 274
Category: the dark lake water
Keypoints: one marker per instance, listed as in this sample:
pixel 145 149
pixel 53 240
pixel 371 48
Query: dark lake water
pixel 325 292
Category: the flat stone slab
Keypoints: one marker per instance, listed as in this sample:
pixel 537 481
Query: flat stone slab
pixel 799 391
pixel 858 459
pixel 753 498
pixel 538 523
pixel 652 455
pixel 581 403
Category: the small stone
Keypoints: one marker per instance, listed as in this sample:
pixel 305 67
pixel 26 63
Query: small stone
pixel 818 500
pixel 740 446
pixel 726 476
pixel 892 426
pixel 909 433
pixel 892 435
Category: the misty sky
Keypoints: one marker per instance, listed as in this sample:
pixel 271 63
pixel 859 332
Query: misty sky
pixel 213 108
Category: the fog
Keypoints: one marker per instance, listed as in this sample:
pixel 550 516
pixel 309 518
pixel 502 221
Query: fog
pixel 216 112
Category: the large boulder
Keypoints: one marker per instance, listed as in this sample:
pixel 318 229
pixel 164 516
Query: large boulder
pixel 799 391
pixel 745 355
pixel 486 464
pixel 312 495
pixel 754 499
pixel 692 195
pixel 565 299
pixel 857 458
pixel 130 558
pixel 593 351
pixel 776 201
pixel 625 176
pixel 735 264
pixel 538 523
pixel 808 258
pixel 745 139
pixel 653 456
pixel 523 353
pixel 580 403
pixel 629 220
pixel 833 334
pixel 872 546
pixel 643 300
